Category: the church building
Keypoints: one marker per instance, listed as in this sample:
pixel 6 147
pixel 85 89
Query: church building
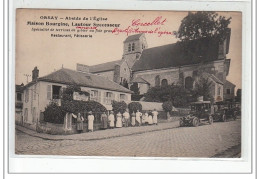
pixel 181 62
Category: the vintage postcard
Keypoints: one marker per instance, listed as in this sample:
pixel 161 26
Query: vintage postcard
pixel 128 83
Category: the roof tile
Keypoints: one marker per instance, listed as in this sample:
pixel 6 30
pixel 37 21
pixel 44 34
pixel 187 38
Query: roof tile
pixel 67 76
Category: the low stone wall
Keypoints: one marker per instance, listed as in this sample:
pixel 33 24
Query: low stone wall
pixel 58 129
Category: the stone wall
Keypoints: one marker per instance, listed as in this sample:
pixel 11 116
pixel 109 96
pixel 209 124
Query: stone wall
pixel 58 129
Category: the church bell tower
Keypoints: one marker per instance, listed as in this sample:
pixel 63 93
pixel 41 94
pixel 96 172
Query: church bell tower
pixel 133 48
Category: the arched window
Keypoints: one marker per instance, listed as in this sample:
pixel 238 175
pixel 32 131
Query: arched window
pixel 157 80
pixel 164 82
pixel 189 83
pixel 133 46
pixel 129 47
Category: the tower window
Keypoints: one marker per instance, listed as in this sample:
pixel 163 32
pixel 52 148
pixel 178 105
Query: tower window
pixel 133 46
pixel 129 47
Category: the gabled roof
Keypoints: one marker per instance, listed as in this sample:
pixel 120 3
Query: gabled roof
pixel 109 66
pixel 213 77
pixel 228 83
pixel 178 54
pixel 67 76
pixel 133 37
pixel 140 80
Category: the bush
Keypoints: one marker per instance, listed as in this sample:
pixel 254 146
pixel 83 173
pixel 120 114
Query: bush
pixel 134 106
pixel 54 113
pixel 81 106
pixel 167 106
pixel 119 107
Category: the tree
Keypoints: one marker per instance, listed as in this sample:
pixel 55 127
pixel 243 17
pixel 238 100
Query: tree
pixel 238 96
pixel 119 106
pixel 54 113
pixel 177 94
pixel 167 107
pixel 203 24
pixel 134 87
pixel 134 106
pixel 203 88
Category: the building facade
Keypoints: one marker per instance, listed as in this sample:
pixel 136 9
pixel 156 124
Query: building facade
pixel 229 91
pixel 181 62
pixel 41 91
pixel 18 103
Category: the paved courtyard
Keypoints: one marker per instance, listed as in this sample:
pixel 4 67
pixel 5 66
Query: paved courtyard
pixel 202 141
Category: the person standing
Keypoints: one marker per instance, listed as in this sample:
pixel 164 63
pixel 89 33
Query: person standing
pixel 155 114
pixel 90 122
pixel 145 118
pixel 119 120
pixel 111 120
pixel 103 120
pixel 126 117
pixel 138 117
pixel 150 118
pixel 80 120
pixel 133 118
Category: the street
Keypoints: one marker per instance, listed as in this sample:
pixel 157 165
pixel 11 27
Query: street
pixel 203 141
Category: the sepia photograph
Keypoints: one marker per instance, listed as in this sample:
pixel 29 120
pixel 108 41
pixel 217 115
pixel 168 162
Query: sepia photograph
pixel 127 83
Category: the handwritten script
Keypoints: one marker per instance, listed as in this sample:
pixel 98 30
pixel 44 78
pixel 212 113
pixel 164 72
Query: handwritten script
pixel 154 27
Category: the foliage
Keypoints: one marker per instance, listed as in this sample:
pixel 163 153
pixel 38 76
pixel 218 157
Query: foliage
pixel 124 83
pixel 54 113
pixel 203 24
pixel 177 94
pixel 136 97
pixel 238 96
pixel 134 88
pixel 203 88
pixel 167 106
pixel 134 106
pixel 119 106
pixel 81 106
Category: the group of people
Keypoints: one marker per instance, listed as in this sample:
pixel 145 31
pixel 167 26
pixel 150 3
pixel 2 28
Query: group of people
pixel 119 120
pixel 125 120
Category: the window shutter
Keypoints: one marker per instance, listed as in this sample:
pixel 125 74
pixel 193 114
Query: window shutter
pixel 126 97
pixel 113 96
pixel 49 92
pixel 99 96
pixel 104 99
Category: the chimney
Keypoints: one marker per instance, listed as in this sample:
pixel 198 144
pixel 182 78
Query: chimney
pixel 35 74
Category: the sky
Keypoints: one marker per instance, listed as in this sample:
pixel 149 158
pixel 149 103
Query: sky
pixel 38 48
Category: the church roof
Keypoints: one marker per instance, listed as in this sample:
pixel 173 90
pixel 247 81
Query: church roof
pixel 109 66
pixel 178 54
pixel 140 80
pixel 67 76
pixel 133 37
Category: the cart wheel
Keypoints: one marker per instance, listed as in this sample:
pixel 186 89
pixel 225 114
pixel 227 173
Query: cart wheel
pixel 195 122
pixel 210 119
pixel 224 118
